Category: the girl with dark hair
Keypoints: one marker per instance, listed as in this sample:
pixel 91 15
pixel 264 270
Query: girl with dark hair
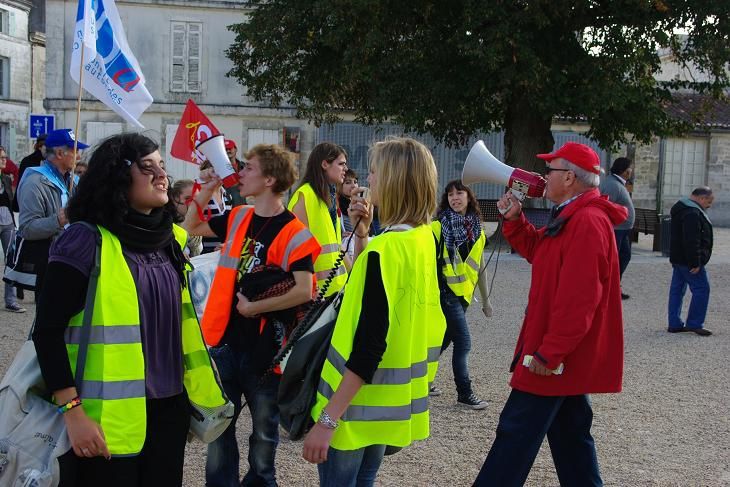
pixel 461 244
pixel 315 204
pixel 181 195
pixel 128 420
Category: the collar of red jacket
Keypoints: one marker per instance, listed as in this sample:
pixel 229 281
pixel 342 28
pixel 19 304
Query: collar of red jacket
pixel 592 197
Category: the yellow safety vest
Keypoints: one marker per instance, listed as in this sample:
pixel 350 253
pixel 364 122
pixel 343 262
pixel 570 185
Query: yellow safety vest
pixel 393 409
pixel 460 276
pixel 328 236
pixel 113 385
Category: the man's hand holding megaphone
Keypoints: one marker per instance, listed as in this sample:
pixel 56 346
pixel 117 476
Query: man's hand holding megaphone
pixel 510 206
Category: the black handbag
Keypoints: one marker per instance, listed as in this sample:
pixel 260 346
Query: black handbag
pixel 24 261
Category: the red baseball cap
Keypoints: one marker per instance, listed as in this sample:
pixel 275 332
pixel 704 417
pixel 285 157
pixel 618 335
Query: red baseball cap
pixel 230 144
pixel 579 154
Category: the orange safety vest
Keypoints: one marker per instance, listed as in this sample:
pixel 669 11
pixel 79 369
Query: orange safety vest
pixel 293 242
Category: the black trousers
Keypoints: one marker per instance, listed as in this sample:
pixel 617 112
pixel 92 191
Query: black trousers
pixel 159 464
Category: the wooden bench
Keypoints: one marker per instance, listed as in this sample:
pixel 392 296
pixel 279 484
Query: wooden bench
pixel 647 221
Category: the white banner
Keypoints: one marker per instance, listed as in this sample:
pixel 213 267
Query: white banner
pixel 111 72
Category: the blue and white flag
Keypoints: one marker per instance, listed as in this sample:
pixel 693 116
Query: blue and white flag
pixel 111 72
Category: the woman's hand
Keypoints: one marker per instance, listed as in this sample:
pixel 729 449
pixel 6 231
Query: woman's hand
pixel 87 437
pixel 245 307
pixel 360 208
pixel 317 443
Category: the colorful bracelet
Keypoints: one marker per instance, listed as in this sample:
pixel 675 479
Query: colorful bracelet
pixel 76 401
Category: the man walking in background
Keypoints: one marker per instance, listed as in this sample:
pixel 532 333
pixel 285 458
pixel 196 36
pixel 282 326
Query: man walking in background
pixel 614 186
pixel 689 253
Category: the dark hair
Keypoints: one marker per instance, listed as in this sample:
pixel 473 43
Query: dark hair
pixel 620 165
pixel 350 173
pixel 702 191
pixel 174 191
pixel 314 174
pixel 101 196
pixel 471 207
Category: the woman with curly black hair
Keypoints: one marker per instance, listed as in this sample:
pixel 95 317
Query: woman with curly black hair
pixel 121 261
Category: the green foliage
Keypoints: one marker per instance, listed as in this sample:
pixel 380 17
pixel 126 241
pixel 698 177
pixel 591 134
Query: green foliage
pixel 454 68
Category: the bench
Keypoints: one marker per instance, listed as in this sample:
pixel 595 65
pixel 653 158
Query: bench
pixel 537 216
pixel 647 221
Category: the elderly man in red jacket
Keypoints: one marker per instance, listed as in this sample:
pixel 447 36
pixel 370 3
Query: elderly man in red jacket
pixel 571 342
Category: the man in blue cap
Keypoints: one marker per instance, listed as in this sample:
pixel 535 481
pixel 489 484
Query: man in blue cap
pixel 42 196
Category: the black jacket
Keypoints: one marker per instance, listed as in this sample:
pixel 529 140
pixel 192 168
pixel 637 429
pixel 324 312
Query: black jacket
pixel 32 160
pixel 691 243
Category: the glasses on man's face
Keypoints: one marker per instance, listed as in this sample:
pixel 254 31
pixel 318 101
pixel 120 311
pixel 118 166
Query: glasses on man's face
pixel 549 169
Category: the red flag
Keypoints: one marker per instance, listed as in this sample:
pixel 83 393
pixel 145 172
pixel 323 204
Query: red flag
pixel 194 128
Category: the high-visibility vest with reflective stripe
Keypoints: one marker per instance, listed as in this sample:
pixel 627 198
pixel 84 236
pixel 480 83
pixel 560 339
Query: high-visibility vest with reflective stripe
pixel 461 276
pixel 113 384
pixel 293 242
pixel 329 237
pixel 393 409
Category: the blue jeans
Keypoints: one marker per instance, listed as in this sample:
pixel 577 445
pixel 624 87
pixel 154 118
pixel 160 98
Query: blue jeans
pixel 457 331
pixel 238 378
pixel 351 468
pixel 623 244
pixel 699 285
pixel 523 424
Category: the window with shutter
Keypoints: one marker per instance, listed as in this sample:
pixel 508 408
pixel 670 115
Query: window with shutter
pixel 4 77
pixel 185 49
pixel 4 22
pixel 685 165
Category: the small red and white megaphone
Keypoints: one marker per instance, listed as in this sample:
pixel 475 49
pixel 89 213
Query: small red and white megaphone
pixel 214 150
pixel 482 167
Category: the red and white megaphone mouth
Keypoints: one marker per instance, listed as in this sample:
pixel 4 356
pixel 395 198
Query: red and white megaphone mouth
pixel 214 150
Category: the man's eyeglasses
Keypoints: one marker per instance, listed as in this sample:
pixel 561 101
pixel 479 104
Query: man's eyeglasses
pixel 549 169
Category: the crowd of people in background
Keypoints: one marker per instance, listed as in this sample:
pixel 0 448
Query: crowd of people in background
pixel 410 266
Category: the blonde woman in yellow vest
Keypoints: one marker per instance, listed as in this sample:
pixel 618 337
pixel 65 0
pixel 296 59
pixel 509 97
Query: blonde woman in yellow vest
pixel 146 360
pixel 462 242
pixel 315 204
pixel 373 389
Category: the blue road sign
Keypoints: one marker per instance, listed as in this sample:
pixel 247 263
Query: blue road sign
pixel 40 124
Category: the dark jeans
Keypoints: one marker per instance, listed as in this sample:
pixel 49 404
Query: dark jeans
pixel 699 285
pixel 523 424
pixel 457 331
pixel 159 464
pixel 238 379
pixel 351 468
pixel 623 243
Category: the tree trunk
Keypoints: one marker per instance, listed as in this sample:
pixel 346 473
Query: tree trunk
pixel 526 133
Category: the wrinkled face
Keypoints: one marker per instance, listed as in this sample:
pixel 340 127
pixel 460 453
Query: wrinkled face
pixel 348 186
pixel 335 171
pixel 373 183
pixel 64 158
pixel 458 200
pixel 706 201
pixel 3 159
pixel 251 181
pixel 558 181
pixel 149 184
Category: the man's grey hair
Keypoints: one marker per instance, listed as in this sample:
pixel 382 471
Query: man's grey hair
pixel 590 179
pixel 51 153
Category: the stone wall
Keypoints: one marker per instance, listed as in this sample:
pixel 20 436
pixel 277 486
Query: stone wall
pixel 718 178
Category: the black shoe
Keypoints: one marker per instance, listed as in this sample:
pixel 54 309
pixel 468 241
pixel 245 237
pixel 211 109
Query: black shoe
pixel 703 332
pixel 678 330
pixel 624 296
pixel 472 401
pixel 19 293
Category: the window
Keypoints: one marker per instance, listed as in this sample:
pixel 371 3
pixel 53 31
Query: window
pixel 263 136
pixel 185 51
pixel 4 77
pixel 4 22
pixel 685 165
pixel 98 131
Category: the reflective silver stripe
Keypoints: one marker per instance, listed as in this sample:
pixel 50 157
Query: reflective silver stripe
pixel 377 413
pixel 124 389
pixel 298 239
pixel 108 335
pixel 455 279
pixel 433 354
pixel 384 375
pixel 228 262
pixel 321 275
pixel 472 263
pixel 330 248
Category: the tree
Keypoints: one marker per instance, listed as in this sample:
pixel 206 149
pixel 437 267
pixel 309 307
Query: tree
pixel 455 68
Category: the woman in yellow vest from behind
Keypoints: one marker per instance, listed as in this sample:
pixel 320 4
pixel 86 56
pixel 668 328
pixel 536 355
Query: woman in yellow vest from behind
pixel 315 204
pixel 373 389
pixel 145 361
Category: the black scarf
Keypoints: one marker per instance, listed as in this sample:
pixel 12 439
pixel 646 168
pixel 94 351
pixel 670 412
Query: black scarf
pixel 146 233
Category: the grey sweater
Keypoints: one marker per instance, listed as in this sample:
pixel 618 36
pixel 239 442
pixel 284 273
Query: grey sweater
pixel 39 201
pixel 617 193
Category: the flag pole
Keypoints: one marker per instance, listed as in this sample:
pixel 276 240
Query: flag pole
pixel 78 114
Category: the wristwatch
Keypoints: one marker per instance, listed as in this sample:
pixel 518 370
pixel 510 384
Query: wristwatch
pixel 327 421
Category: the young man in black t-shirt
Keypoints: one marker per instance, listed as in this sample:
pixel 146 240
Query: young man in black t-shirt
pixel 249 344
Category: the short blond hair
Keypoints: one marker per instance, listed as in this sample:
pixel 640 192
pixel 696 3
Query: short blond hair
pixel 275 162
pixel 407 181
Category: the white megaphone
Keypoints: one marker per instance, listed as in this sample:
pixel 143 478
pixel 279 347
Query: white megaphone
pixel 214 150
pixel 482 167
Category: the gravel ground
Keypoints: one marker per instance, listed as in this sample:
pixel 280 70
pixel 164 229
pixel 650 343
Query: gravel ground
pixel 669 427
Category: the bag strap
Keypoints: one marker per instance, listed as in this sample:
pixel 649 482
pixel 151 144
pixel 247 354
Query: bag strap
pixel 88 309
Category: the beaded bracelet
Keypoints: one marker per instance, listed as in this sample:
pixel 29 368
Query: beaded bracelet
pixel 76 401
